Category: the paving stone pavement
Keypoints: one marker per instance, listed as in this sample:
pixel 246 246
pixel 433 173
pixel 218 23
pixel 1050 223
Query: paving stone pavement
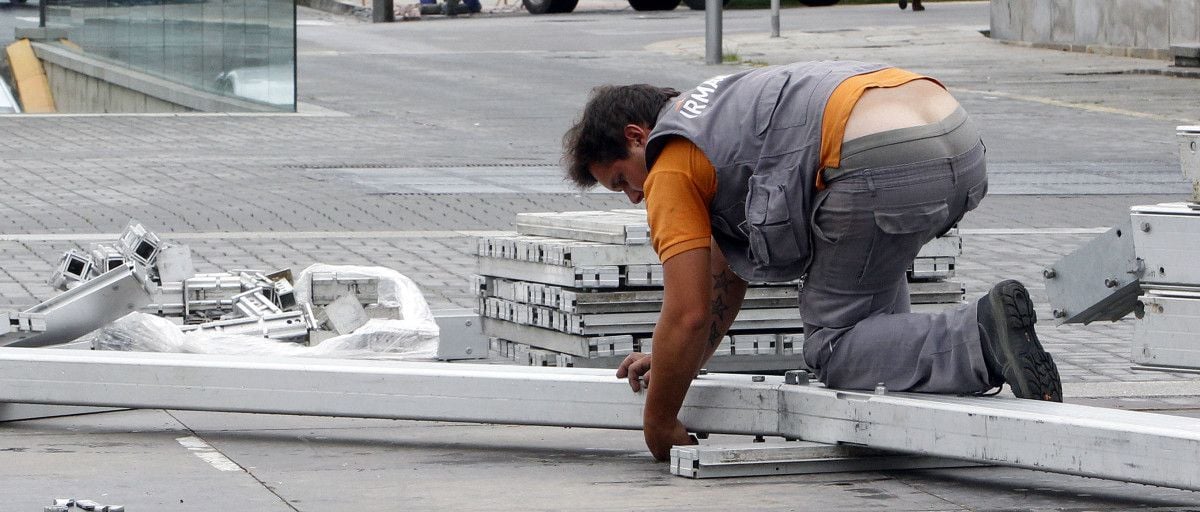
pixel 335 182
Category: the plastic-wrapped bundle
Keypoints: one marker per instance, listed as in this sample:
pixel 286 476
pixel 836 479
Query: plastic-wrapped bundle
pixel 378 339
pixel 414 335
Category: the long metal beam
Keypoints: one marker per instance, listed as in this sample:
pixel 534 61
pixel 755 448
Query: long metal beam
pixel 1065 438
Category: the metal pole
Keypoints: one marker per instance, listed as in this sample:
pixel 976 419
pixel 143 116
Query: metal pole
pixel 712 32
pixel 42 13
pixel 1064 438
pixel 774 18
pixel 382 11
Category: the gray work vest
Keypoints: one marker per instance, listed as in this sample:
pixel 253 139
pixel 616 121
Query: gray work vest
pixel 761 129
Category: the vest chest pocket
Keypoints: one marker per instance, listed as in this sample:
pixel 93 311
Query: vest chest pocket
pixel 772 236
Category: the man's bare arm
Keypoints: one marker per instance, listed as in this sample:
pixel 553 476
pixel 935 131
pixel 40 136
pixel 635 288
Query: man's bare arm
pixel 679 347
pixel 728 293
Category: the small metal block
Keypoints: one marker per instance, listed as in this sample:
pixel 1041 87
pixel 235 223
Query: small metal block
pixel 88 505
pixel 1049 273
pixel 64 502
pixel 880 389
pixel 114 508
pixel 758 378
pixel 797 377
pixel 55 508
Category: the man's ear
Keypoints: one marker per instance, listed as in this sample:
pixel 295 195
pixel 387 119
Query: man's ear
pixel 636 134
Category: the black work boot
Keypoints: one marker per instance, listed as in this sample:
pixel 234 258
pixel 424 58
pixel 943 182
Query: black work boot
pixel 903 4
pixel 1010 345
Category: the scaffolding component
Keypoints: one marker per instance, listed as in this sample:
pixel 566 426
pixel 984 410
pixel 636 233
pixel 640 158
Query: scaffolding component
pixel 1167 238
pixel 1189 158
pixel 328 286
pixel 73 268
pixel 139 244
pixel 87 307
pixel 1098 281
pixel 1065 438
pixel 622 227
pixel 288 325
pixel 793 458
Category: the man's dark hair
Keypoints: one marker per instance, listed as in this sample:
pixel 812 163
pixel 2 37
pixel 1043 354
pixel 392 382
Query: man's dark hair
pixel 599 135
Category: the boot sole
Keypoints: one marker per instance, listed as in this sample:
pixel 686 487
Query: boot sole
pixel 1029 370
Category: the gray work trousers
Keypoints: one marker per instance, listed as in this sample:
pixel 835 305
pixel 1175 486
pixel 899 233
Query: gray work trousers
pixel 894 192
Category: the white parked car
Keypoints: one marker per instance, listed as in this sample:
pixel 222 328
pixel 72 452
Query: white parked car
pixel 8 104
pixel 254 83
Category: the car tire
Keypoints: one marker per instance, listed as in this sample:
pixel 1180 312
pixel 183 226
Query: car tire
pixel 698 5
pixel 653 5
pixel 549 6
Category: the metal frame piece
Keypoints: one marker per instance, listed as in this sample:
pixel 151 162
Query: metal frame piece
pixel 1189 157
pixel 1098 281
pixel 326 287
pixel 1065 438
pixel 624 227
pixel 1167 238
pixel 289 325
pixel 139 244
pixel 73 268
pixel 80 310
pixel 1165 337
pixel 793 458
pixel 106 258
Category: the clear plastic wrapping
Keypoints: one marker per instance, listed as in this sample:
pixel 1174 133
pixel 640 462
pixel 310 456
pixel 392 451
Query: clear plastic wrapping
pixel 413 336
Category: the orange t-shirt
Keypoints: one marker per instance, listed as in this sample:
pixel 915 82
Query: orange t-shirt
pixel 683 182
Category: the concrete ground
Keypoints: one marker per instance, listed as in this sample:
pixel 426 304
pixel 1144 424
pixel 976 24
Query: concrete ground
pixel 412 136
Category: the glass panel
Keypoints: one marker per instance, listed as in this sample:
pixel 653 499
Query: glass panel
pixel 242 49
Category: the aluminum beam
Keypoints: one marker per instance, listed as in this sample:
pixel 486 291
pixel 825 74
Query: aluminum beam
pixel 1065 438
pixel 794 458
pixel 624 227
pixel 83 309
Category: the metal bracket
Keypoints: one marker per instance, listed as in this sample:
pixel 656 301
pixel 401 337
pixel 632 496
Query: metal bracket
pixel 1098 281
pixel 793 458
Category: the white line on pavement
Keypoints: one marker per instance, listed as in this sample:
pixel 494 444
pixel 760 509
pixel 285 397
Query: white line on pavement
pixel 250 235
pixel 1033 231
pixel 1080 106
pixel 208 454
pixel 351 235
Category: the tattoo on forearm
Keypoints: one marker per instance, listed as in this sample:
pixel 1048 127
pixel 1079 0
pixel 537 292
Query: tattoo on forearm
pixel 721 283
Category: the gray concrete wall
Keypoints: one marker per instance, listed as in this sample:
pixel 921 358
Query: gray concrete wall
pixel 1136 28
pixel 76 93
pixel 82 84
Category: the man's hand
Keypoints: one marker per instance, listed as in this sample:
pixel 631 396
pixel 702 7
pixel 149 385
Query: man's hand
pixel 661 437
pixel 635 367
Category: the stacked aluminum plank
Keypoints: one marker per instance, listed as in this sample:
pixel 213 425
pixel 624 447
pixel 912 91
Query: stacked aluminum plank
pixel 585 289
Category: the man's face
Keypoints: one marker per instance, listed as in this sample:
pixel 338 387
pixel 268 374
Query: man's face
pixel 628 174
